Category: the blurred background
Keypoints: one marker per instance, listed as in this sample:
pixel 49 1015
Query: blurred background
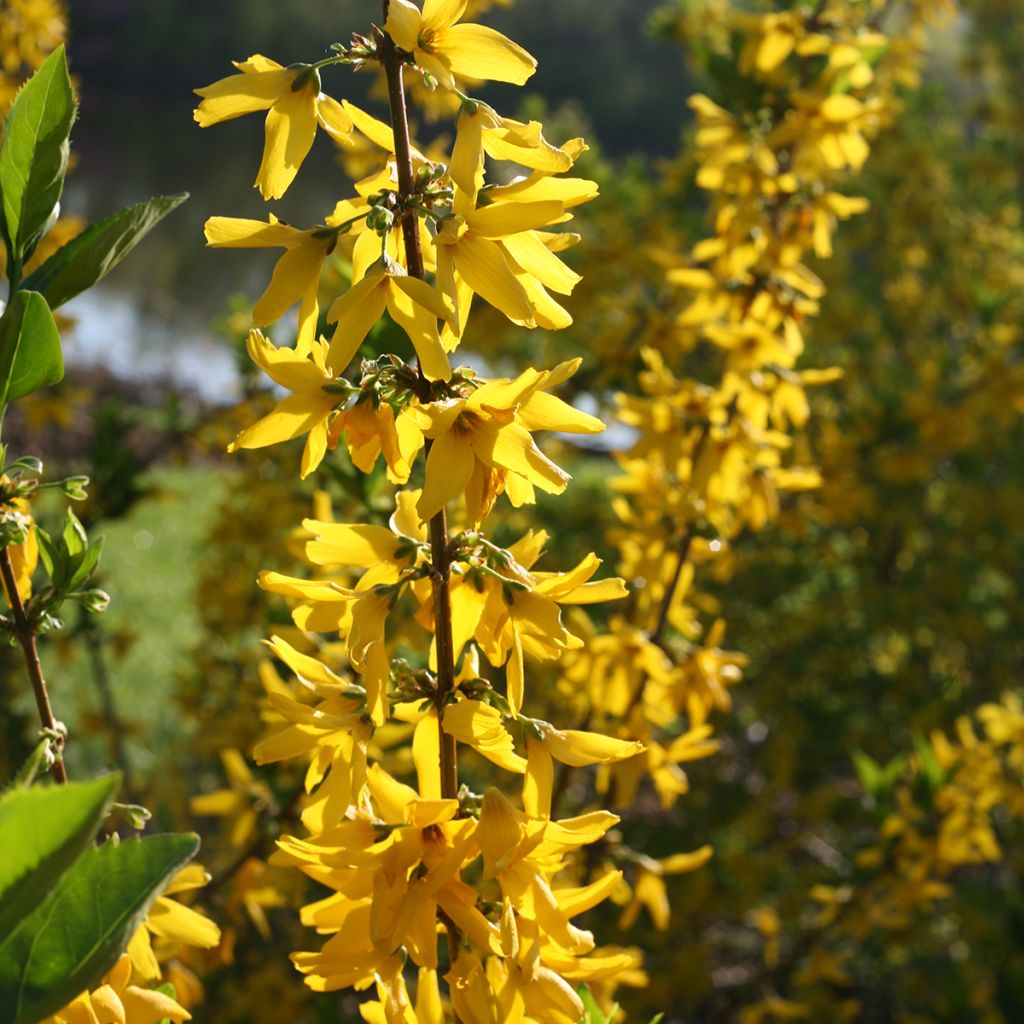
pixel 879 612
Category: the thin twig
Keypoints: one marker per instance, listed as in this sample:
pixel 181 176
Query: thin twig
pixel 25 633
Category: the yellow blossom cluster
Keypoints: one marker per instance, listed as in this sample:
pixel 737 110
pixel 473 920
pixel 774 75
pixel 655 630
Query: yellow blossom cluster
pixel 948 803
pixel 722 385
pixel 29 31
pixel 410 852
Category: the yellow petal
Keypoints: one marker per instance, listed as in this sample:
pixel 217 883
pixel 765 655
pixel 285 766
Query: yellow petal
pixel 426 755
pixel 285 366
pixel 309 670
pixel 349 544
pixel 292 417
pixel 481 727
pixel 420 324
pixel 146 1006
pixel 467 607
pixel 403 24
pixel 333 118
pixel 424 295
pixel 475 51
pixel 290 130
pixel 140 950
pixel 392 798
pixel 467 165
pixel 355 312
pixel 239 233
pixel 442 13
pixel 500 219
pixel 376 131
pixel 774 49
pixel 515 673
pixel 241 94
pixel 512 447
pixel 449 468
pixel 429 1009
pixel 679 863
pixel 482 265
pixel 297 273
pixel 534 257
pixel 576 748
pixel 539 779
pixel 542 411
pixel 498 833
pixel 173 920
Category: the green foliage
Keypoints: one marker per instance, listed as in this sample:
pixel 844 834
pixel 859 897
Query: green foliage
pixel 30 355
pixel 594 1014
pixel 90 256
pixel 83 925
pixel 43 831
pixel 34 156
pixel 877 779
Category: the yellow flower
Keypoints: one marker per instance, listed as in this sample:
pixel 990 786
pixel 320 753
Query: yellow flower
pixel 413 304
pixel 240 803
pixel 490 430
pixel 24 556
pixel 307 410
pixel 511 610
pixel 391 867
pixel 296 276
pixel 117 1002
pixel 372 428
pixel 295 106
pixel 172 925
pixel 474 257
pixel 444 49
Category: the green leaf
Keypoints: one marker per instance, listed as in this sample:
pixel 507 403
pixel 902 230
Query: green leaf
pixel 49 553
pixel 30 355
pixel 90 256
pixel 593 1014
pixel 85 564
pixel 34 155
pixel 77 933
pixel 42 830
pixel 868 771
pixel 74 535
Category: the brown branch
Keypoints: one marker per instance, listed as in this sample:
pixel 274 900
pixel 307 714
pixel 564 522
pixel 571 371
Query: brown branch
pixel 25 633
pixel 440 576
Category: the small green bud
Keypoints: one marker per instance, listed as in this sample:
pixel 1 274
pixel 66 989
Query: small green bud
pixel 380 219
pixel 74 487
pixel 95 601
pixel 136 814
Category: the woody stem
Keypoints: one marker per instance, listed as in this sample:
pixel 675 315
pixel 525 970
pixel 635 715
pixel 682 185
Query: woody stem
pixel 25 634
pixel 439 553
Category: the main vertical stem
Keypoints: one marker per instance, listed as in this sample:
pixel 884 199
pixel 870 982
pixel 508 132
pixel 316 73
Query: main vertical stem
pixel 27 639
pixel 441 563
pixel 439 553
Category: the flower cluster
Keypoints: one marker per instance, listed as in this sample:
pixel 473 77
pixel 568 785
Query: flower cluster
pixel 408 849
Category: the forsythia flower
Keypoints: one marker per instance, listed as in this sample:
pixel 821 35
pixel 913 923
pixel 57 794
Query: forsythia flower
pixel 483 443
pixel 115 1001
pixel 294 105
pixel 413 304
pixel 307 410
pixel 445 49
pixel 296 276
